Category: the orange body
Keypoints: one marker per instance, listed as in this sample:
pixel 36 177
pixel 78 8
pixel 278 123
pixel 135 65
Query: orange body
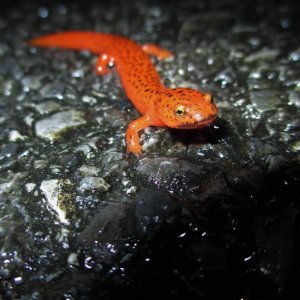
pixel 158 105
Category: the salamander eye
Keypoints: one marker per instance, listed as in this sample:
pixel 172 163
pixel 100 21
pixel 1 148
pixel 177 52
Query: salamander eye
pixel 180 110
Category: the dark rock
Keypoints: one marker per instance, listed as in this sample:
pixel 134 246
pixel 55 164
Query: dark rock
pixel 71 162
pixel 153 210
pixel 8 155
pixel 92 185
pixel 58 91
pixel 106 226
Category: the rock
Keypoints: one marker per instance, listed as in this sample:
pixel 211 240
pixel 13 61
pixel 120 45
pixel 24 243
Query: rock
pixel 265 100
pixel 93 184
pixel 263 55
pixel 109 226
pixel 47 107
pixel 53 191
pixel 58 91
pixel 153 208
pixel 11 182
pixel 91 171
pixel 51 128
pixel 32 82
pixel 71 162
pixel 9 155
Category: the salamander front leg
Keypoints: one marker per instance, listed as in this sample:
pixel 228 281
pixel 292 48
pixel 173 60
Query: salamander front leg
pixel 132 134
pixel 157 51
pixel 104 64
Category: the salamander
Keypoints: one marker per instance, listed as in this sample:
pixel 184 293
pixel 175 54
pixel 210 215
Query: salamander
pixel 181 108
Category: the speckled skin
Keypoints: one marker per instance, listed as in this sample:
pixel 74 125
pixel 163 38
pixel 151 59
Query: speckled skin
pixel 158 105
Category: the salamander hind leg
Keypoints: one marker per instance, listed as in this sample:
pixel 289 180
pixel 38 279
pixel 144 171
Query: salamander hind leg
pixel 157 51
pixel 132 134
pixel 104 64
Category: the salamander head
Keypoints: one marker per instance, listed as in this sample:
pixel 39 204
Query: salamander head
pixel 185 108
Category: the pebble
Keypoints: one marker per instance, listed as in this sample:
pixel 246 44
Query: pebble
pixel 262 55
pixel 265 100
pixel 53 189
pixel 92 184
pixel 51 128
pixel 47 107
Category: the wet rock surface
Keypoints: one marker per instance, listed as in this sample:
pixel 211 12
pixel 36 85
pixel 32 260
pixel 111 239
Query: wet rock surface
pixel 204 214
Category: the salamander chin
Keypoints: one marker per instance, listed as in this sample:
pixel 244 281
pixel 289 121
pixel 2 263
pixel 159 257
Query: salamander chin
pixel 200 124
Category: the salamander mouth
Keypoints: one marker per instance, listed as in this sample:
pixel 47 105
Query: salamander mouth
pixel 198 124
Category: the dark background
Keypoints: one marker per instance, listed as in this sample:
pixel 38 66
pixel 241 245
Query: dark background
pixel 211 214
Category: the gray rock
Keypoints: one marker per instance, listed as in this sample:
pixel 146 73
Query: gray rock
pixel 32 83
pixel 58 91
pixel 52 189
pixel 51 128
pixel 265 100
pixel 47 107
pixel 263 55
pixel 9 155
pixel 93 184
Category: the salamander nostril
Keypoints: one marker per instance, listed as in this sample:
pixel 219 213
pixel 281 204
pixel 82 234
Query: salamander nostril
pixel 198 117
pixel 207 97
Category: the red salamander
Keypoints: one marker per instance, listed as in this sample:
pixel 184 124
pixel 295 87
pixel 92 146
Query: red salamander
pixel 158 105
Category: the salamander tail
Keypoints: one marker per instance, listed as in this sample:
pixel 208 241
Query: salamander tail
pixel 75 40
